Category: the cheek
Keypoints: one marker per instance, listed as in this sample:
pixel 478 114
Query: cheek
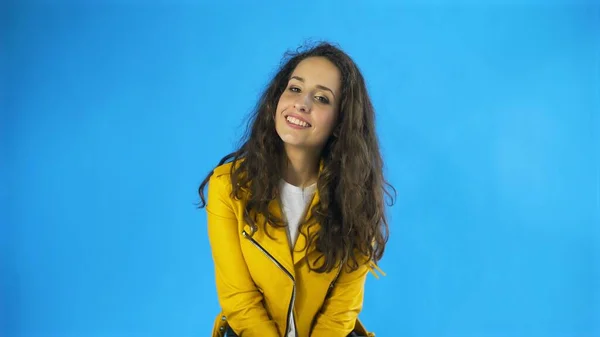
pixel 327 120
pixel 283 102
pixel 282 105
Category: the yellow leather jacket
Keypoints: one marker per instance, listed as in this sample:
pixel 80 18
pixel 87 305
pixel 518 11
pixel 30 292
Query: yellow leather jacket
pixel 260 281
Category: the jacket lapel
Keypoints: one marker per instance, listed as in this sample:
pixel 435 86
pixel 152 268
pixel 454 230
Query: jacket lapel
pixel 278 244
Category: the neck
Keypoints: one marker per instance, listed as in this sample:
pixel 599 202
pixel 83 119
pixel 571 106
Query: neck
pixel 300 167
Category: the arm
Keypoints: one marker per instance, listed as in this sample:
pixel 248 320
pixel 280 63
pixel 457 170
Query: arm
pixel 340 311
pixel 239 298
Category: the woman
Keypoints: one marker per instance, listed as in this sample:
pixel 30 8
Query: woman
pixel 296 215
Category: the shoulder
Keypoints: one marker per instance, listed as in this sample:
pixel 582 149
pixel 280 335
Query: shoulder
pixel 221 176
pixel 226 168
pixel 222 170
pixel 219 199
pixel 220 180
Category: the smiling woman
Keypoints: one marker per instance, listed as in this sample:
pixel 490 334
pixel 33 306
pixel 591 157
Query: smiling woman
pixel 296 216
pixel 308 104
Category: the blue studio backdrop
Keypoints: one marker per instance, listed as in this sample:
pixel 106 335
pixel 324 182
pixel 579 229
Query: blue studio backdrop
pixel 113 113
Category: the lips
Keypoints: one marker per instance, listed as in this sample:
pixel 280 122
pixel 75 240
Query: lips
pixel 297 117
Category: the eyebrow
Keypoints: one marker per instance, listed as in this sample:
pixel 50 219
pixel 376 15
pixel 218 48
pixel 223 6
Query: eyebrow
pixel 322 87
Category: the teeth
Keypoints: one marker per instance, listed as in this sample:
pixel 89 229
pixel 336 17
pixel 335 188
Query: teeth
pixel 296 121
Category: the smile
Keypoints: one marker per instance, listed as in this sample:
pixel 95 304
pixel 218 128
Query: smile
pixel 297 122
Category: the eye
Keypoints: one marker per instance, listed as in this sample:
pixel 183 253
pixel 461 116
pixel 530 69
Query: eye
pixel 294 89
pixel 323 99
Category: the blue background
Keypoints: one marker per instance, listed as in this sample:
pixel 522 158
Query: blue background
pixel 113 113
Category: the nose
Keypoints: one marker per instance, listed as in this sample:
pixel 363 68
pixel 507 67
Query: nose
pixel 302 104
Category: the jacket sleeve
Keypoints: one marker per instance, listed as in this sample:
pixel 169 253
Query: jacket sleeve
pixel 240 300
pixel 340 311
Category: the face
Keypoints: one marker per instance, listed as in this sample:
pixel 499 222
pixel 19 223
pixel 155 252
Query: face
pixel 308 108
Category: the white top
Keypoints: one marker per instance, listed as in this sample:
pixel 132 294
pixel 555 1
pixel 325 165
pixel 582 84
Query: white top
pixel 294 201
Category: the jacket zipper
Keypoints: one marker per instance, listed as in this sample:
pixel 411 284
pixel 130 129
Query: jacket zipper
pixel 278 264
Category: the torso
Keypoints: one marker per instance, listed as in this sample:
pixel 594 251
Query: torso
pixel 281 274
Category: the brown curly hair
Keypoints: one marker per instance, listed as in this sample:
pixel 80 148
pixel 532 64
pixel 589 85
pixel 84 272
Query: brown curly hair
pixel 351 185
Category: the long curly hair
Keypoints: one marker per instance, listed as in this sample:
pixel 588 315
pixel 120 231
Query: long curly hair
pixel 351 184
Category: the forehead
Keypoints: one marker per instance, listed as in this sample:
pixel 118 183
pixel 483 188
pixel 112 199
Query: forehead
pixel 319 71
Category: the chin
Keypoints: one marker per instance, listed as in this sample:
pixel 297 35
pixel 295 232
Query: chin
pixel 289 140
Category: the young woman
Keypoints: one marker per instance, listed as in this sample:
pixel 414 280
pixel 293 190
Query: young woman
pixel 296 215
